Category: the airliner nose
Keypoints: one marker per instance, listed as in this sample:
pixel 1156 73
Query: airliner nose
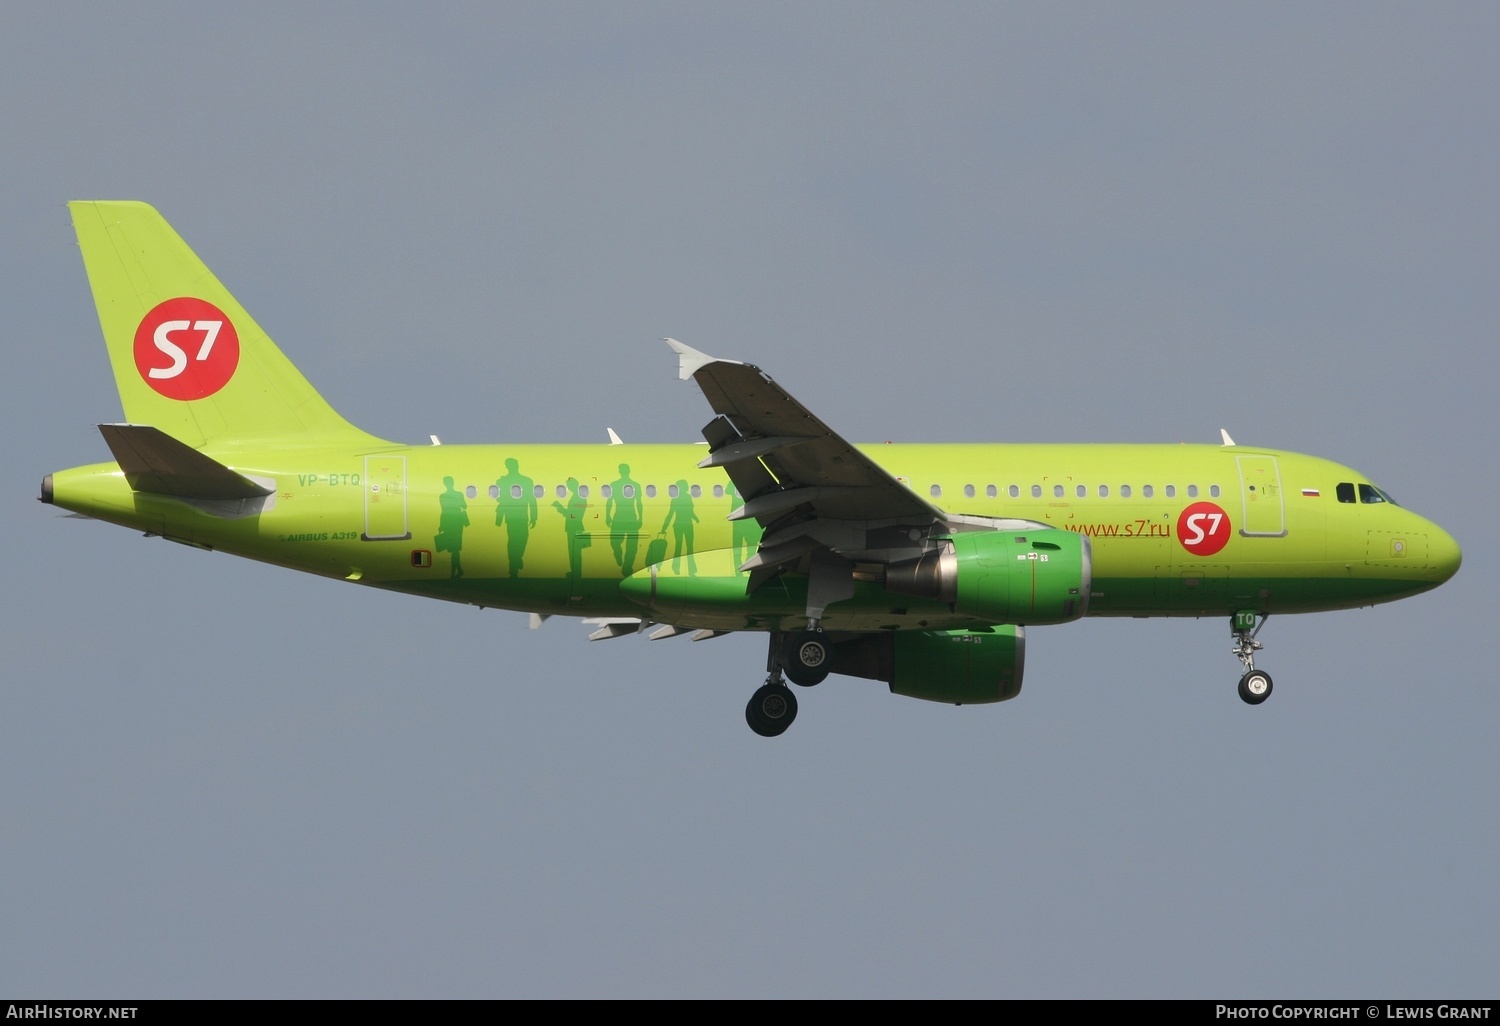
pixel 1443 553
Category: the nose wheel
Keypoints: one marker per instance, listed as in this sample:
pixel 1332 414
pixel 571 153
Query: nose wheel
pixel 1255 685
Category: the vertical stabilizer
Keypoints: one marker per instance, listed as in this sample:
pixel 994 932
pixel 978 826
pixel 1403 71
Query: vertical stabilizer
pixel 187 357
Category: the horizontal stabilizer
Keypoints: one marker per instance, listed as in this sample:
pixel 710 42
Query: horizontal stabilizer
pixel 154 461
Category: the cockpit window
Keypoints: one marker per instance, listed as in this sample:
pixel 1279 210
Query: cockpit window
pixel 1369 493
pixel 1346 491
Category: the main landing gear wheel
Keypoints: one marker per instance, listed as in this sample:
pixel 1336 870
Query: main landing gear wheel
pixel 1255 687
pixel 772 709
pixel 807 658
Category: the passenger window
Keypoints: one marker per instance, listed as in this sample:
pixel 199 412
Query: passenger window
pixel 968 491
pixel 471 492
pixel 605 491
pixel 696 492
pixel 936 490
pixel 1192 491
pixel 537 490
pixel 671 491
pixel 718 491
pixel 1057 491
pixel 1170 491
pixel 495 491
pixel 1124 491
pixel 1147 491
pixel 562 491
pixel 1369 493
pixel 1213 491
pixel 651 491
pixel 1083 491
pixel 1015 491
pixel 1104 491
pixel 1036 491
pixel 628 491
pixel 991 491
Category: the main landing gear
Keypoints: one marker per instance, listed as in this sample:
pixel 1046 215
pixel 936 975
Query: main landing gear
pixel 806 659
pixel 1255 685
pixel 772 708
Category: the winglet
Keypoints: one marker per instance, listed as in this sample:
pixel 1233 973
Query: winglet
pixel 1225 435
pixel 689 360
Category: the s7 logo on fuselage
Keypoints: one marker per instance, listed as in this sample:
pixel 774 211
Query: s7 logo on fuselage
pixel 197 341
pixel 1203 528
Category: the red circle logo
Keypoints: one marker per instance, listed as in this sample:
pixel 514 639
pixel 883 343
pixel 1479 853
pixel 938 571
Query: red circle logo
pixel 186 348
pixel 1203 528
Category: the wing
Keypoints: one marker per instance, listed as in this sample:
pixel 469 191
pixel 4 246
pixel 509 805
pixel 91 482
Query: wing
pixel 825 507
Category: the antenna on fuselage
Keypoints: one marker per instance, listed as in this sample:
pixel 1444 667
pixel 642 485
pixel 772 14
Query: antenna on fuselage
pixel 1225 435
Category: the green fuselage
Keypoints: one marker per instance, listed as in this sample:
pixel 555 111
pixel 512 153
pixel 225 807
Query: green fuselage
pixel 1175 530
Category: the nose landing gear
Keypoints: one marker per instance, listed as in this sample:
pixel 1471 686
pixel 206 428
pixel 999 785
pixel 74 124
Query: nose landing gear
pixel 1255 685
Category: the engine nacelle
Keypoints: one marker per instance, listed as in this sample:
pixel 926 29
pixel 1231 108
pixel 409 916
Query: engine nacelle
pixel 1021 577
pixel 961 667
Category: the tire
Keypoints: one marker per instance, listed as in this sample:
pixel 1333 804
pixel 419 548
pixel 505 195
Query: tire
pixel 808 659
pixel 1255 687
pixel 771 710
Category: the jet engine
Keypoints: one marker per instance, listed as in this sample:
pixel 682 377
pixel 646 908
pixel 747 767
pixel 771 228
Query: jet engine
pixel 1020 577
pixel 961 667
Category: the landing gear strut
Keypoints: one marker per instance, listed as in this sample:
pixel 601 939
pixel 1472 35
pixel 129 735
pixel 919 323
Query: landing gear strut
pixel 1255 685
pixel 773 707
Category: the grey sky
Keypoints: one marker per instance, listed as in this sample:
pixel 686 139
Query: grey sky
pixel 957 222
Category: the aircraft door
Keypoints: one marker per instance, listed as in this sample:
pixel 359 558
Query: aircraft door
pixel 385 499
pixel 1264 512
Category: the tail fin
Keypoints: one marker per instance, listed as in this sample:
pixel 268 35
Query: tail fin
pixel 187 357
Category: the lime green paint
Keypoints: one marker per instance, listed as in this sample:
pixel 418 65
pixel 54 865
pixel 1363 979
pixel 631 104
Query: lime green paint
pixel 1332 555
pixel 1021 576
pixel 134 261
pixel 550 528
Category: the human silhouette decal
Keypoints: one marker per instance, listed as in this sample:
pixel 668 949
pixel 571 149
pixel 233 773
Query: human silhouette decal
pixel 745 534
pixel 575 524
pixel 453 517
pixel 515 510
pixel 681 518
pixel 624 515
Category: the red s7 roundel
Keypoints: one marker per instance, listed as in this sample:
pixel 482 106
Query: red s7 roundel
pixel 186 348
pixel 1203 528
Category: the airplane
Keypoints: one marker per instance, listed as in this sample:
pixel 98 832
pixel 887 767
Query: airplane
pixel 920 566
